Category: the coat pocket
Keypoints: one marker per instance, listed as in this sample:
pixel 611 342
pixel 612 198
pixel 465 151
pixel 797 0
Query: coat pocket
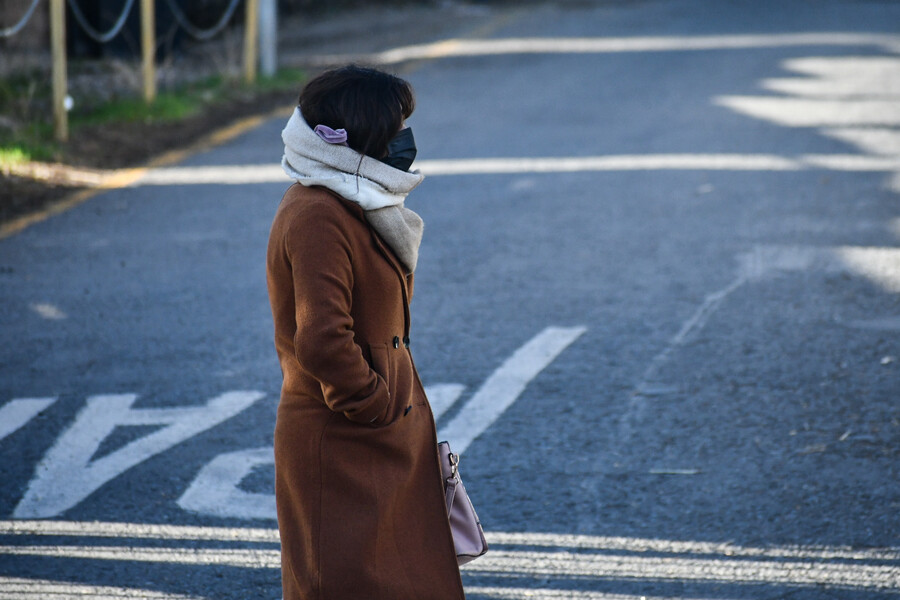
pixel 395 366
pixel 380 361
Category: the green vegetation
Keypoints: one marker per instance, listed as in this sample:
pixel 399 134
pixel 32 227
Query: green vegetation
pixel 169 106
pixel 12 156
pixel 26 127
pixel 33 142
pixel 25 133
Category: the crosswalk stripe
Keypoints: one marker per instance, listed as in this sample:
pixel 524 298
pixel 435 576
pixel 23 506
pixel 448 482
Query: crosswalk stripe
pixel 19 588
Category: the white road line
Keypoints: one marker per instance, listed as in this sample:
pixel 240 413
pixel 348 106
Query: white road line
pixel 501 562
pixel 604 45
pixel 67 475
pixel 247 558
pixel 505 385
pixel 152 531
pixel 255 174
pixel 15 413
pixel 661 162
pixel 604 566
pixel 215 175
pixel 527 593
pixel 612 162
pixel 95 529
pixel 216 489
pixel 18 588
pixel 662 546
pixel 441 396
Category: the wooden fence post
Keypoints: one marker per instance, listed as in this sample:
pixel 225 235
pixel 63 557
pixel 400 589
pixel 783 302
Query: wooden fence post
pixel 58 50
pixel 148 49
pixel 251 21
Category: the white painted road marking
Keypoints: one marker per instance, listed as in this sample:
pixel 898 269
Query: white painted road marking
pixel 228 557
pixel 15 413
pixel 514 593
pixel 663 546
pixel 661 162
pixel 143 531
pixel 216 489
pixel 532 539
pixel 506 563
pixel 19 588
pixel 505 385
pixel 255 174
pixel 257 535
pixel 547 555
pixel 605 45
pixel 441 396
pixel 67 475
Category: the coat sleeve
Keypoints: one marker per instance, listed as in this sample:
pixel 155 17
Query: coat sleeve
pixel 318 248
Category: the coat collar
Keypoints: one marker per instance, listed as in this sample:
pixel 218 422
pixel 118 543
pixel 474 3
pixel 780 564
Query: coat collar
pixel 356 210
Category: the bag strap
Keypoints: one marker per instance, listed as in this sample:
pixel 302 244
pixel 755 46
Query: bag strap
pixel 450 473
pixel 450 492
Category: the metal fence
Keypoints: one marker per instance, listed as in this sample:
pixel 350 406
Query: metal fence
pixel 258 14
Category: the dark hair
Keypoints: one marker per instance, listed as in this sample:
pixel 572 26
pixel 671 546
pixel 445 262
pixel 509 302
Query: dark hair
pixel 370 104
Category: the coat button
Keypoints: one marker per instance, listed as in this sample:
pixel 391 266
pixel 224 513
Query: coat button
pixel 396 341
pixel 406 342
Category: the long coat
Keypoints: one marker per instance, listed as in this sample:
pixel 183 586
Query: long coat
pixel 358 488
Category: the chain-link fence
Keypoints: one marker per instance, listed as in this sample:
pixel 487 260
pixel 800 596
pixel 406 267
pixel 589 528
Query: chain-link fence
pixel 76 27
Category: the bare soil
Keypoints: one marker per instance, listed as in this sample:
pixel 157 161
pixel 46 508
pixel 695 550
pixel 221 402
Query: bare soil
pixel 124 145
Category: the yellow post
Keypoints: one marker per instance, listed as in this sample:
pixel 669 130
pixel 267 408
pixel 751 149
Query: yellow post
pixel 148 49
pixel 58 50
pixel 251 27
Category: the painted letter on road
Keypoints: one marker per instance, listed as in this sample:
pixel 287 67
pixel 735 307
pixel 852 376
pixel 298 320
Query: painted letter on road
pixel 67 475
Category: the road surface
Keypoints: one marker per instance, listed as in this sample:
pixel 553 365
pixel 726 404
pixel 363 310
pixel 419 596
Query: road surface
pixel 657 309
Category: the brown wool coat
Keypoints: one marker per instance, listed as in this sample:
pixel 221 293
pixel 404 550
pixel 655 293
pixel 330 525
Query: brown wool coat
pixel 358 487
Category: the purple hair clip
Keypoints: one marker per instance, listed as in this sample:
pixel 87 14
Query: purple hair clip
pixel 332 136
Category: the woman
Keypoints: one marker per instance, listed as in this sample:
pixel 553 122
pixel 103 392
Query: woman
pixel 360 499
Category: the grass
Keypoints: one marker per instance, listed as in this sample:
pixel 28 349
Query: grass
pixel 25 135
pixel 29 134
pixel 13 156
pixel 170 106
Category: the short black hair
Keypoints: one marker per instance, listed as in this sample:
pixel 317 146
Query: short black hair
pixel 369 104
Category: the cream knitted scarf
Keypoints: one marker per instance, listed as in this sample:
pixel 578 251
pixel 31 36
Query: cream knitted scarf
pixel 377 187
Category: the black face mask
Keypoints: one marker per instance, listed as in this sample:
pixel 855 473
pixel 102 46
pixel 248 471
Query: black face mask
pixel 401 150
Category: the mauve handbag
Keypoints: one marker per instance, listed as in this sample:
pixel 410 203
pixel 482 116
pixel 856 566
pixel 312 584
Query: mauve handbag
pixel 468 536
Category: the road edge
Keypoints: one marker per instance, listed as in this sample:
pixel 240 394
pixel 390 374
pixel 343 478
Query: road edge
pixel 124 177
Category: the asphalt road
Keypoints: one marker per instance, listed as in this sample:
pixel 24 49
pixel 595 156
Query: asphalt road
pixel 657 307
